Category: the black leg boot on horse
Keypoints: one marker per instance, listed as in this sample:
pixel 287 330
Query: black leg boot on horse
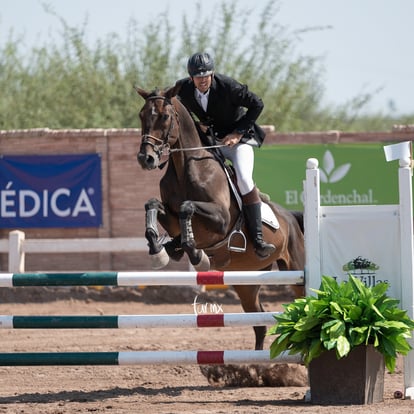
pixel 253 216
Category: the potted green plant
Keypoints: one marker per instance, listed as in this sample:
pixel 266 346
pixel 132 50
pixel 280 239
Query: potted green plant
pixel 340 332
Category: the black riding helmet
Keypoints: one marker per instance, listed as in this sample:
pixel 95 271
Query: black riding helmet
pixel 200 64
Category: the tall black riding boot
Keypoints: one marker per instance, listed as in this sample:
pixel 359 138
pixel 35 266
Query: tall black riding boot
pixel 253 215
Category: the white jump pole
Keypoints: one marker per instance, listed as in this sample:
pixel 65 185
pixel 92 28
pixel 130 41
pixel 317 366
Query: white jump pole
pixel 407 263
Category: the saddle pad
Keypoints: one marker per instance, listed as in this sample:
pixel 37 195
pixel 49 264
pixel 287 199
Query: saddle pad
pixel 269 217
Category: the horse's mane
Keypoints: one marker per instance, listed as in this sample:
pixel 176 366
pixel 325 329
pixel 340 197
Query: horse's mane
pixel 187 123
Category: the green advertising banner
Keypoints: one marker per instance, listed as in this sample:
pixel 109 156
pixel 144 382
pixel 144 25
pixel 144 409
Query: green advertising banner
pixel 350 174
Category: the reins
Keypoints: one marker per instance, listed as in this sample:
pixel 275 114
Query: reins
pixel 196 148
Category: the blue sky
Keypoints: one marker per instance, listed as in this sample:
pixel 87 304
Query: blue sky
pixel 369 45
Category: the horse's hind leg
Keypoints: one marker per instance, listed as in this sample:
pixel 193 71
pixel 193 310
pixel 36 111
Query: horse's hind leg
pixel 250 302
pixel 159 257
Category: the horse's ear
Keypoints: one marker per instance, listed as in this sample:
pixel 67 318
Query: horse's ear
pixel 172 91
pixel 141 92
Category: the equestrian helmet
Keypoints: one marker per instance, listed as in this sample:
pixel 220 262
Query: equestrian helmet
pixel 200 64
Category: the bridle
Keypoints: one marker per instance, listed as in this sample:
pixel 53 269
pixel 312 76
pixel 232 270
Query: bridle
pixel 159 145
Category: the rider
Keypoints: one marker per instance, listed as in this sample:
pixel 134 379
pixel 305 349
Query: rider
pixel 219 102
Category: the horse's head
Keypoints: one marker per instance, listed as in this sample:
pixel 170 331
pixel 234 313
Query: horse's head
pixel 159 126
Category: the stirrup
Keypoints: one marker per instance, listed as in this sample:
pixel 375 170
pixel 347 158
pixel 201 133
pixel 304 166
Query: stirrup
pixel 237 249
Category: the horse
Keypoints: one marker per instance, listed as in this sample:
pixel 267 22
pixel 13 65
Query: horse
pixel 198 208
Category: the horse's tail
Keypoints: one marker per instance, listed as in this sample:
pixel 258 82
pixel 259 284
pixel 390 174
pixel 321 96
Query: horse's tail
pixel 299 218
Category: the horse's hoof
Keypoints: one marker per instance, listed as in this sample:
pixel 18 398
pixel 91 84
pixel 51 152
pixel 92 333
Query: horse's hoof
pixel 159 260
pixel 174 249
pixel 204 264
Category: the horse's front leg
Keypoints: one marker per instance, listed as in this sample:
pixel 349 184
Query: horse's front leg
pixel 197 257
pixel 159 257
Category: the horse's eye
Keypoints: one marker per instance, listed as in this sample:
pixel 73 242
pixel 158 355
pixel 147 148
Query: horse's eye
pixel 165 117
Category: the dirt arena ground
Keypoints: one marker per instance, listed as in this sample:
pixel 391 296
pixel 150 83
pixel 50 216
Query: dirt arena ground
pixel 147 389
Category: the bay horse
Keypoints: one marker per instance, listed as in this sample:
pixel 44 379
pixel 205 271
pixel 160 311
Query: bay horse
pixel 198 209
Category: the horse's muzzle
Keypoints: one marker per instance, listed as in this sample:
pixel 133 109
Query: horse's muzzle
pixel 146 161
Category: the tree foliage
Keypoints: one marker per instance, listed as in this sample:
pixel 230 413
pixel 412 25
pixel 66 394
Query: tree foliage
pixel 69 84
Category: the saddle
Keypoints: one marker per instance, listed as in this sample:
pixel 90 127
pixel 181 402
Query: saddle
pixel 236 240
pixel 268 216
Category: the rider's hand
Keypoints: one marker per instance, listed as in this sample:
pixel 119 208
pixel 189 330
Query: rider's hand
pixel 204 128
pixel 232 139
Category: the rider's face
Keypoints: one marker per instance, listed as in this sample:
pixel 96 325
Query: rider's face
pixel 202 83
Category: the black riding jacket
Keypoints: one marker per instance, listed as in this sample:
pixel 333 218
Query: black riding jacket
pixel 231 107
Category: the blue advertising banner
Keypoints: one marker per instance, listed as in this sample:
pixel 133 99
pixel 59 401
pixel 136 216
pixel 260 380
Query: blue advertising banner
pixel 50 191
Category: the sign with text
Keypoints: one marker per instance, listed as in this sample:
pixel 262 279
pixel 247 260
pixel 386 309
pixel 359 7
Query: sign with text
pixel 50 191
pixel 350 174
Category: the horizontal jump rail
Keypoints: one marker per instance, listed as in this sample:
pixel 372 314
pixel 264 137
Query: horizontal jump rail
pixel 118 244
pixel 145 358
pixel 136 321
pixel 80 245
pixel 165 278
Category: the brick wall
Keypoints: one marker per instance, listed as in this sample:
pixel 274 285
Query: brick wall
pixel 125 187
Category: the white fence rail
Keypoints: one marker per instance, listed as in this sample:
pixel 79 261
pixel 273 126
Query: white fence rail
pixel 17 246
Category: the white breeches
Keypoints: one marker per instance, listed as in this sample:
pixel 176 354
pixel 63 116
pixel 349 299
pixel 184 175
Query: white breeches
pixel 242 158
